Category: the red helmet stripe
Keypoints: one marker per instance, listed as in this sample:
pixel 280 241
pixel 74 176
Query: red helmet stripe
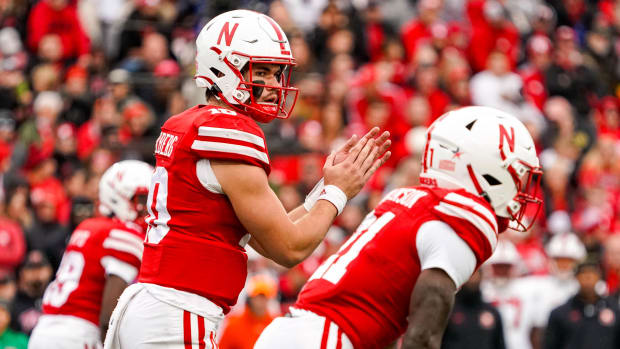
pixel 275 27
pixel 474 179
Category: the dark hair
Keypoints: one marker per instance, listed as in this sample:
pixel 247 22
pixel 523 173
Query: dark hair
pixel 212 92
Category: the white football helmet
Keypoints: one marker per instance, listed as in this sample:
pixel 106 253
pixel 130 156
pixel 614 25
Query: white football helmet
pixel 566 245
pixel 487 152
pixel 504 263
pixel 228 46
pixel 119 186
pixel 505 253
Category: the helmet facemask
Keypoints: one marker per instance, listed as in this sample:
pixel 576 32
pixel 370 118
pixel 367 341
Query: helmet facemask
pixel 526 201
pixel 138 204
pixel 246 95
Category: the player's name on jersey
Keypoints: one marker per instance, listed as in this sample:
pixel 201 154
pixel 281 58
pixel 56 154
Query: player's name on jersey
pixel 405 196
pixel 165 144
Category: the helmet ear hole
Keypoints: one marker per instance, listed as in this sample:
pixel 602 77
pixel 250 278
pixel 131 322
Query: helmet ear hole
pixel 491 180
pixel 216 72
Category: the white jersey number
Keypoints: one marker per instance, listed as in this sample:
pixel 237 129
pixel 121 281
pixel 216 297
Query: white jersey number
pixel 334 268
pixel 158 212
pixel 67 279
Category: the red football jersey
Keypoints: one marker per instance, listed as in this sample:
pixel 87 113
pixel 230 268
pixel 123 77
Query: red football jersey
pixel 97 247
pixel 365 288
pixel 195 243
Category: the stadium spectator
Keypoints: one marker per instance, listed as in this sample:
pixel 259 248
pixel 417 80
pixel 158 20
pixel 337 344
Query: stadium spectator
pixel 569 77
pixel 499 87
pixel 473 323
pixel 10 338
pixel 532 72
pixel 55 31
pixel 78 98
pixel 419 28
pixel 491 31
pixel 611 258
pixel 587 320
pixel 242 330
pixel 8 287
pixel 47 233
pixel 33 276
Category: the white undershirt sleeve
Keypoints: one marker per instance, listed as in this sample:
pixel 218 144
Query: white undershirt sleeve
pixel 114 266
pixel 440 247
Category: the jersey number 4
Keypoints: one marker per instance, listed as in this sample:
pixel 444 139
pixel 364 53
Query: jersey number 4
pixel 334 268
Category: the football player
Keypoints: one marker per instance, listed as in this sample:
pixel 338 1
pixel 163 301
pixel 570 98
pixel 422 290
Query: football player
pixel 102 258
pixel 565 251
pixel 398 273
pixel 210 190
pixel 507 291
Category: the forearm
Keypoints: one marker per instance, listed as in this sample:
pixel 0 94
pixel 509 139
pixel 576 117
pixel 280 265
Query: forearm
pixel 297 213
pixel 313 226
pixel 430 308
pixel 303 236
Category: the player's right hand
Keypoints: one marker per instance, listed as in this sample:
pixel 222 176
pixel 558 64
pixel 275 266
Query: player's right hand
pixel 362 160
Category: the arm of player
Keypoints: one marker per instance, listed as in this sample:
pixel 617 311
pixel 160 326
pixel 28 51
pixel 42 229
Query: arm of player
pixel 446 262
pixel 121 264
pixel 114 286
pixel 431 303
pixel 261 212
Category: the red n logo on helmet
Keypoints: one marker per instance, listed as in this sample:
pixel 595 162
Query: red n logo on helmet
pixel 227 33
pixel 510 139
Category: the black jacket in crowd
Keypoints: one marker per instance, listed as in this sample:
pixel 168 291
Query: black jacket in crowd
pixel 577 325
pixel 473 324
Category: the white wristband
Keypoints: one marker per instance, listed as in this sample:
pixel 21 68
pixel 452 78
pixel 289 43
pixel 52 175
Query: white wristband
pixel 314 194
pixel 334 195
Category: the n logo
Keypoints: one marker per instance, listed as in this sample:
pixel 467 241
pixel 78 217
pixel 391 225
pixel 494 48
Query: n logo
pixel 510 139
pixel 227 33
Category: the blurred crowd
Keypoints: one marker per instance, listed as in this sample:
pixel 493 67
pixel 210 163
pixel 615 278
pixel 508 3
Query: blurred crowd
pixel 85 83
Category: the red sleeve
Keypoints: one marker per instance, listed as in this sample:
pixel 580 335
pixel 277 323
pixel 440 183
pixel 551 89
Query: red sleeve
pixel 37 25
pixel 231 137
pixel 472 219
pixel 125 246
pixel 83 41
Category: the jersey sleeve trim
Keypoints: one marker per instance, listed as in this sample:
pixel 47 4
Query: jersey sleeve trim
pixel 231 134
pixel 114 266
pixel 464 208
pixel 440 247
pixel 124 241
pixel 233 149
pixel 479 209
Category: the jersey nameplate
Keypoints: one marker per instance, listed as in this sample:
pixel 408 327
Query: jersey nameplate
pixel 165 144
pixel 405 197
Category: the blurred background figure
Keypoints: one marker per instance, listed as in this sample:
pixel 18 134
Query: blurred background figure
pixel 473 323
pixel 8 337
pixel 243 329
pixel 33 277
pixel 588 319
pixel 514 300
